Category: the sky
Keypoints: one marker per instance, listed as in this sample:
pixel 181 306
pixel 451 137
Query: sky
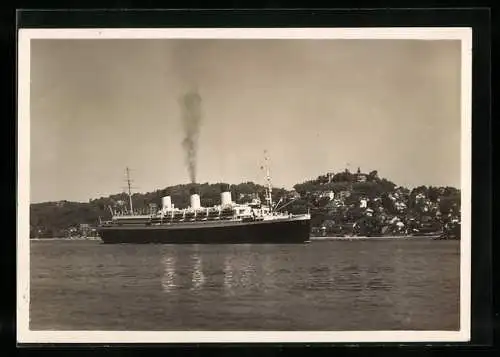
pixel 99 106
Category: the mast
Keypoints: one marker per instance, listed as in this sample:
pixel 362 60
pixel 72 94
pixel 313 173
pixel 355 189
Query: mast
pixel 269 185
pixel 129 191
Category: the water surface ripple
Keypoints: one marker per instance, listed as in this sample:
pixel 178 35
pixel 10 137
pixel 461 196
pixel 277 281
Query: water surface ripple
pixel 330 285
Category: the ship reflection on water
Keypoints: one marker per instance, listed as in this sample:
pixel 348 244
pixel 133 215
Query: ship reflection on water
pixel 194 272
pixel 181 274
pixel 228 274
pixel 168 277
pixel 197 277
pixel 235 271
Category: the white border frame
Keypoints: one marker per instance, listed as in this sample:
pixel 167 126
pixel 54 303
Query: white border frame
pixel 25 335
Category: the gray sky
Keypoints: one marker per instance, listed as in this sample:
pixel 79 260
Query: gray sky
pixel 98 106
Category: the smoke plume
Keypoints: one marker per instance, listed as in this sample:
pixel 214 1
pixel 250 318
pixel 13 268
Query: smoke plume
pixel 191 119
pixel 190 70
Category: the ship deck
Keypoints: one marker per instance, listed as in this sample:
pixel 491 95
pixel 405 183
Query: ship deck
pixel 197 224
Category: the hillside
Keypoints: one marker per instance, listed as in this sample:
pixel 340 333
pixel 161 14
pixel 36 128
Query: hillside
pixel 334 200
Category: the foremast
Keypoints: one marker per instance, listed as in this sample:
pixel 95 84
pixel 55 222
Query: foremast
pixel 129 190
pixel 269 192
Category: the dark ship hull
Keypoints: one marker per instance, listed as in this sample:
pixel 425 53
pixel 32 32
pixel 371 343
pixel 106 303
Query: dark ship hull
pixel 286 231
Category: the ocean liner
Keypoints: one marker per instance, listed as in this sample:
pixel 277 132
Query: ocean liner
pixel 226 223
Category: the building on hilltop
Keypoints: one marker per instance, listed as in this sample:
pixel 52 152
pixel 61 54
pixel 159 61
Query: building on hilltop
pixel 361 177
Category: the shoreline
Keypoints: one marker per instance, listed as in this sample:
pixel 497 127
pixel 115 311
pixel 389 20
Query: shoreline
pixel 63 238
pixel 429 237
pixel 311 239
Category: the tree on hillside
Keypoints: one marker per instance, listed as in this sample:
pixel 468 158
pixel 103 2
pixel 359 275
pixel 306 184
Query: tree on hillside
pixel 449 204
pixel 372 176
pixel 386 185
pixel 369 189
pixel 388 204
pixel 451 191
pixel 433 194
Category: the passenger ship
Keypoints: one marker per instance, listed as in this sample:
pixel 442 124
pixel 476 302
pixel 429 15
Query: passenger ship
pixel 226 223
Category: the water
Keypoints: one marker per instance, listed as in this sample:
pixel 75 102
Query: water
pixel 331 285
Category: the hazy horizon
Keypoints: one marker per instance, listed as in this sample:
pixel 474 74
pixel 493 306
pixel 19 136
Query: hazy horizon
pixel 98 106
